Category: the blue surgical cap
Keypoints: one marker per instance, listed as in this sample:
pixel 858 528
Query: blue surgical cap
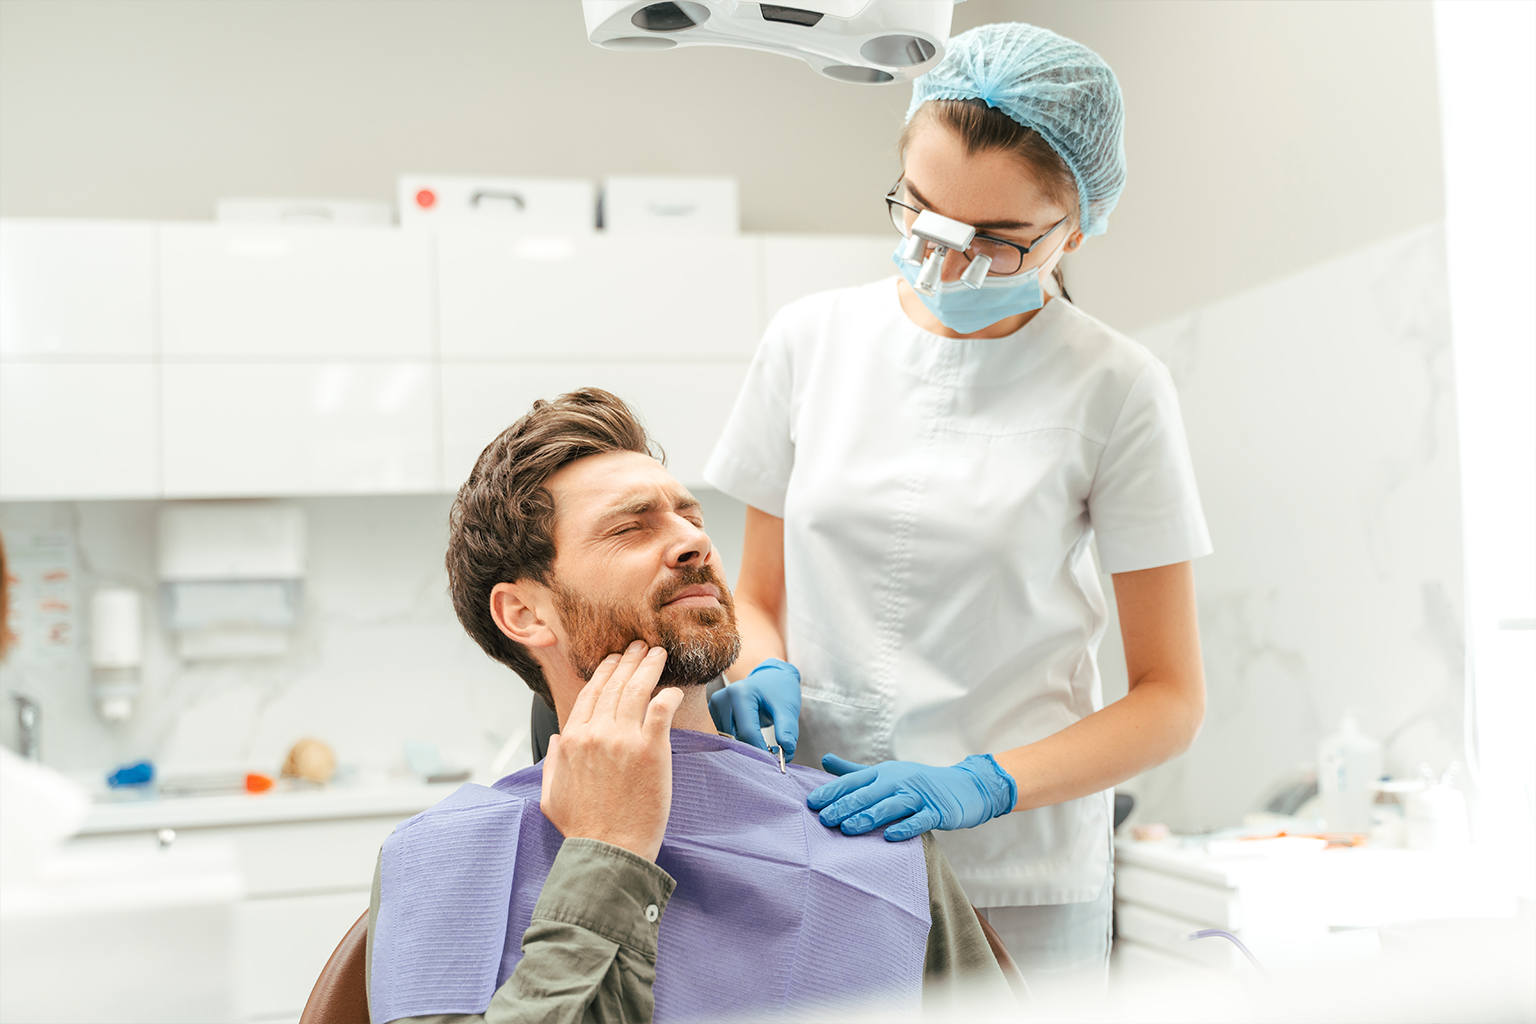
pixel 1059 88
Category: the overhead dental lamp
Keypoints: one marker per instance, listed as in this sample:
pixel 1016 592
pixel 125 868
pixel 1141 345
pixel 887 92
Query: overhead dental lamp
pixel 869 42
pixel 944 235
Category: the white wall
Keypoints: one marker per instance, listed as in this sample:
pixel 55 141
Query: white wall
pixel 1324 438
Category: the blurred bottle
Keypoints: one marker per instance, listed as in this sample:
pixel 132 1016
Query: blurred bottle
pixel 1437 814
pixel 1348 769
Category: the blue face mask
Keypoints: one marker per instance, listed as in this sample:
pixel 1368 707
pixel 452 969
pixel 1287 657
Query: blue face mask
pixel 966 310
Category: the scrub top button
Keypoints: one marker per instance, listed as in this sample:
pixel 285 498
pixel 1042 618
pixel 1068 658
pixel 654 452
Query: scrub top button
pixel 652 913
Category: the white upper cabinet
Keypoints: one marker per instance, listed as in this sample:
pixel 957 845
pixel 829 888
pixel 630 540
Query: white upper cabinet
pixel 289 290
pixel 547 297
pixel 77 288
pixel 684 406
pixel 78 430
pixel 795 266
pixel 256 429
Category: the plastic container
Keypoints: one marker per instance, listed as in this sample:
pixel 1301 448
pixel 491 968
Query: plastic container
pixel 1348 770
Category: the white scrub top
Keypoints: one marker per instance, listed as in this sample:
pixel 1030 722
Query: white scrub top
pixel 939 497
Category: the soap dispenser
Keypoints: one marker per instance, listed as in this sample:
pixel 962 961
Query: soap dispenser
pixel 1348 772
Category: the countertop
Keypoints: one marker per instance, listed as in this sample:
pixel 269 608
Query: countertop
pixel 393 799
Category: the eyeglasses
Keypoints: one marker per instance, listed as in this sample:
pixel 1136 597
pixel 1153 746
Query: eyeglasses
pixel 1007 257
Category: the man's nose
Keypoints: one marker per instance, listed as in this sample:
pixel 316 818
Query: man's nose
pixel 691 546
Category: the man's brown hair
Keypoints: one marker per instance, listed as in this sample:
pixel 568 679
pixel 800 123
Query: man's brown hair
pixel 502 526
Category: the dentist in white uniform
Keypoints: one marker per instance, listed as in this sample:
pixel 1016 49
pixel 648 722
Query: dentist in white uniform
pixel 927 476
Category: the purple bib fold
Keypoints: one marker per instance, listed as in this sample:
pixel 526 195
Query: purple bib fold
pixel 773 913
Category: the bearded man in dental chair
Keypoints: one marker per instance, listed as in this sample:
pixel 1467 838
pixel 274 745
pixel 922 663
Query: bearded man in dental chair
pixel 648 867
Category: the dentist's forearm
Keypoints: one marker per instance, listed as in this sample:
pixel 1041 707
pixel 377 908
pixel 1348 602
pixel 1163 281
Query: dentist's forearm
pixel 760 638
pixel 760 593
pixel 1156 721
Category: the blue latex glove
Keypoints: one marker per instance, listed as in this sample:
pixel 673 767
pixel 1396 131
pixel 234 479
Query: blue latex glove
pixel 770 695
pixel 917 797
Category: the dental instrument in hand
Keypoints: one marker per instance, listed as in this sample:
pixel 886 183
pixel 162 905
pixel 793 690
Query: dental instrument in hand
pixel 774 748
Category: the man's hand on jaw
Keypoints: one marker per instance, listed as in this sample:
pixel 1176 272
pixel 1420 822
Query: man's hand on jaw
pixel 608 773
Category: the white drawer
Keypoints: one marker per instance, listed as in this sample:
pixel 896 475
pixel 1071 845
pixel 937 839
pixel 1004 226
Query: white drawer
pixel 284 859
pixel 1212 906
pixel 1167 933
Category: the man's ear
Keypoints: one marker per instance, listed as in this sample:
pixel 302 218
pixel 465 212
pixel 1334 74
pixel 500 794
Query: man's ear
pixel 519 611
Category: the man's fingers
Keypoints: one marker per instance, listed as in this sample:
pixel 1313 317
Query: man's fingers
pixel 660 712
pixel 636 693
pixel 607 705
pixel 586 700
pixel 549 770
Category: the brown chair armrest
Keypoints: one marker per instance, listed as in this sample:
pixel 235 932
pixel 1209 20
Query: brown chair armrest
pixel 340 996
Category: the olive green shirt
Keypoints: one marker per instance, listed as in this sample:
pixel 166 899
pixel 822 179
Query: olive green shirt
pixel 589 953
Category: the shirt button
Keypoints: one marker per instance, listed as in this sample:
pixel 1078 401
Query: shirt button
pixel 652 913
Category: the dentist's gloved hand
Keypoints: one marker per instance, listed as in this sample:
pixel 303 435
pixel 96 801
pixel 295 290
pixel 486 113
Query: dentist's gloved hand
pixel 770 695
pixel 917 797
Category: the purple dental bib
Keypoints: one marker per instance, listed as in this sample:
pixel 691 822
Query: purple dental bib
pixel 774 914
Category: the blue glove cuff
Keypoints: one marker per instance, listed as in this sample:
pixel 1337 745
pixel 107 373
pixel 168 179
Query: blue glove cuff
pixel 769 664
pixel 1001 791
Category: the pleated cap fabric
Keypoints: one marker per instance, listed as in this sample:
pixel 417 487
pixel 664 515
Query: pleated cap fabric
pixel 1059 88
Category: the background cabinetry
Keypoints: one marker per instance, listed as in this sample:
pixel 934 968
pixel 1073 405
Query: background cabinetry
pixel 193 360
pixel 300 291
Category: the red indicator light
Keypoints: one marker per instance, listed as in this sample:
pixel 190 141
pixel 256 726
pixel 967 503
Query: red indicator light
pixel 425 198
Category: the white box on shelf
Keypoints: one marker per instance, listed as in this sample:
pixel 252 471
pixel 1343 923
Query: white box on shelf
pixel 671 204
pixel 556 206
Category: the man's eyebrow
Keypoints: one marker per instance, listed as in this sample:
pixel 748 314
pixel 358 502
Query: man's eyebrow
pixel 991 225
pixel 684 502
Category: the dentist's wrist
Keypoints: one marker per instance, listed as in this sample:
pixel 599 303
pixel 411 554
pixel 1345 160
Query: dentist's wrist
pixel 772 665
pixel 997 786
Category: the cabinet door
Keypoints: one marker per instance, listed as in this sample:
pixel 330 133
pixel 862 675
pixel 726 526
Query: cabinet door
pixel 74 288
pixel 256 289
pixel 611 296
pixel 278 429
pixel 683 405
pixel 795 266
pixel 78 431
pixel 282 945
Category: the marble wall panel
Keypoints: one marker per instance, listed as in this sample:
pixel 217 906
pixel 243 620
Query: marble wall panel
pixel 1321 421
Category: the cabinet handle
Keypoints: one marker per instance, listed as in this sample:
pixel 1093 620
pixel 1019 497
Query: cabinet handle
pixel 510 196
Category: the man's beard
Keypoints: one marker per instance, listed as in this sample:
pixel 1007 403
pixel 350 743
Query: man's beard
pixel 700 642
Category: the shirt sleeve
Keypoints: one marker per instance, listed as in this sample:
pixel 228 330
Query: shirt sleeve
pixel 959 968
pixel 756 451
pixel 1143 504
pixel 589 953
